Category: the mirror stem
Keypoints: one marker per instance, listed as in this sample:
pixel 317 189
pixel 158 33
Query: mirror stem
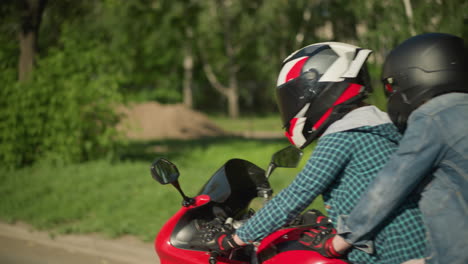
pixel 270 170
pixel 187 200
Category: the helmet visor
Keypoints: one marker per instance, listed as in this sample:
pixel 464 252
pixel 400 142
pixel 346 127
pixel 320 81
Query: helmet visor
pixel 293 95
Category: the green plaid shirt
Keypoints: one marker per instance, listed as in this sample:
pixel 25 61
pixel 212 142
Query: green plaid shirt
pixel 340 168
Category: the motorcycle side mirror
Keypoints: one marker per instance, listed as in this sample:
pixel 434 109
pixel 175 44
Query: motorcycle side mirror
pixel 166 172
pixel 287 157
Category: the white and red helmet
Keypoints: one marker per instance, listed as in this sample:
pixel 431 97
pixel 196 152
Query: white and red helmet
pixel 318 85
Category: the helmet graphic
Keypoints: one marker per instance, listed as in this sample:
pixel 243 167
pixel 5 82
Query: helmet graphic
pixel 318 85
pixel 421 68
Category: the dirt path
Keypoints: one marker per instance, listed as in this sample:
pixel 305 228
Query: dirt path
pixel 19 244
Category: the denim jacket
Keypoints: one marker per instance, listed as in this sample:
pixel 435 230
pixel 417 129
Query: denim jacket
pixel 432 158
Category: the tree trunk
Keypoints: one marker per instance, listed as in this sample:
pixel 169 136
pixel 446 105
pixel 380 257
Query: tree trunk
pixel 231 90
pixel 188 71
pixel 27 52
pixel 233 94
pixel 409 15
pixel 31 13
pixel 233 104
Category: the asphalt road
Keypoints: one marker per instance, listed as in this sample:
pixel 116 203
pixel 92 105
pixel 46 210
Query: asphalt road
pixel 21 245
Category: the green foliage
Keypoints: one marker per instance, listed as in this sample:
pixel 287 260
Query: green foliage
pixel 147 36
pixel 64 114
pixel 91 50
pixel 9 49
pixel 377 97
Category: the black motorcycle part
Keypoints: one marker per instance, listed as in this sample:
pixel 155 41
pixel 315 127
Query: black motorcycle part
pixel 231 189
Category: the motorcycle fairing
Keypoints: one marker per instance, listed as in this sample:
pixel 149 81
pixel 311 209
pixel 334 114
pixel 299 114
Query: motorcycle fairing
pixel 168 254
pixel 230 190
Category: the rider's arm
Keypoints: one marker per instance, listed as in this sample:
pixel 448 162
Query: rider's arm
pixel 326 162
pixel 419 152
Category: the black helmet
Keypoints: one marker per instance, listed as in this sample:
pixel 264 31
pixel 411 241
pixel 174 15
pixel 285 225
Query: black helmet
pixel 318 85
pixel 421 68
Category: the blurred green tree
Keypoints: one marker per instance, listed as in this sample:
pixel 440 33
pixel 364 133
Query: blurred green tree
pixel 220 56
pixel 64 112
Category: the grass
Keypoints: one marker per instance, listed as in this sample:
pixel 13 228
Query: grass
pixel 269 123
pixel 121 198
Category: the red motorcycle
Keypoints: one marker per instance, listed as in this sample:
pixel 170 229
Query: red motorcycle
pixel 223 203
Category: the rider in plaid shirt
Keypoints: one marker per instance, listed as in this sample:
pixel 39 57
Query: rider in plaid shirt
pixel 320 93
pixel 341 167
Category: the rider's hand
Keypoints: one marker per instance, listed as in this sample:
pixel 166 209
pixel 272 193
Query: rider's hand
pixel 222 243
pixel 217 236
pixel 319 236
pixel 225 243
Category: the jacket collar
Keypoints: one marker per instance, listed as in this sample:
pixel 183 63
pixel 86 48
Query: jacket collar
pixel 363 116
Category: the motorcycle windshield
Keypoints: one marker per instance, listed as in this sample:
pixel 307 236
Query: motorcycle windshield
pixel 235 182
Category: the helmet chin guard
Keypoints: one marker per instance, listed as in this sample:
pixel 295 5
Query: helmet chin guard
pixel 294 133
pixel 318 85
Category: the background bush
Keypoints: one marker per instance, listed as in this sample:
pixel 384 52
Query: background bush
pixel 65 112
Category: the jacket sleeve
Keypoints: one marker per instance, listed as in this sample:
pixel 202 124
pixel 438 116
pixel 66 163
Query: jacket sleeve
pixel 326 162
pixel 419 152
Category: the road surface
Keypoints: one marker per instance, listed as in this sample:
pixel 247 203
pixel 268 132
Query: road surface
pixel 19 244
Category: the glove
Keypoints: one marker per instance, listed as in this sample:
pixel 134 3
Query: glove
pixel 222 243
pixel 218 237
pixel 320 239
pixel 320 234
pixel 225 243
